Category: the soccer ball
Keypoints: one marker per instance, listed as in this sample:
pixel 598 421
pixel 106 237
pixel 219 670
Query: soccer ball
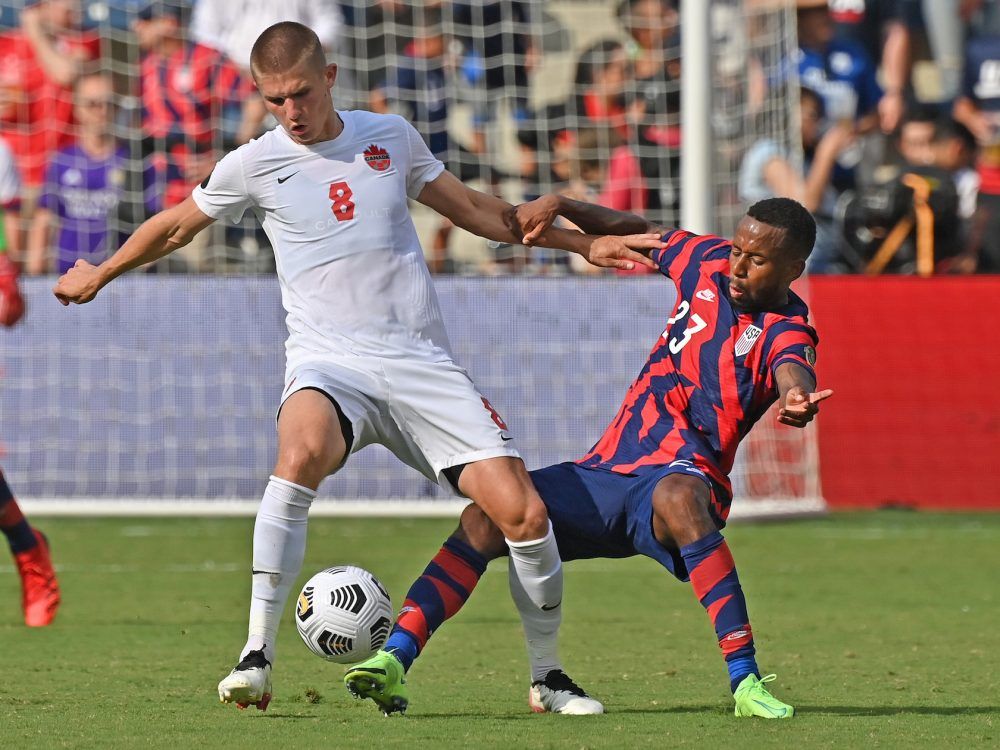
pixel 344 614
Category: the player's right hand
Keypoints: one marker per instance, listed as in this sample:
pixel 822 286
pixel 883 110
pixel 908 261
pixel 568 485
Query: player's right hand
pixel 79 285
pixel 800 407
pixel 613 251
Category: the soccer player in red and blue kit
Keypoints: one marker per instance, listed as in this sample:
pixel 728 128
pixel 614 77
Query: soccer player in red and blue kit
pixel 39 589
pixel 656 483
pixel 30 548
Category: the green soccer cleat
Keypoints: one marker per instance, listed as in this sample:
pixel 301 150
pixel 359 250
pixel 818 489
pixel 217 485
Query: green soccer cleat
pixel 382 679
pixel 752 699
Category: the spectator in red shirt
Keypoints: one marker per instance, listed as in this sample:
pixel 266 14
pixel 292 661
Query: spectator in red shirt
pixel 185 89
pixel 39 62
pixel 603 73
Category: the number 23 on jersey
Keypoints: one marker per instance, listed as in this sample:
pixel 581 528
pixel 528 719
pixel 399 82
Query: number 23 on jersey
pixel 695 324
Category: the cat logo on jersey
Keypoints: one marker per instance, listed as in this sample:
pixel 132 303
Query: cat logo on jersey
pixel 377 158
pixel 745 342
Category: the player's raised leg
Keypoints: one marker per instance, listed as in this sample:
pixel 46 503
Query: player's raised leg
pixel 311 445
pixel 39 588
pixel 681 518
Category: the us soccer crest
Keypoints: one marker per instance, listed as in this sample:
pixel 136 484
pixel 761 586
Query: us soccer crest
pixel 377 158
pixel 745 342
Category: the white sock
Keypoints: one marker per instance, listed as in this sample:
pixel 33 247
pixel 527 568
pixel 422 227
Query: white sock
pixel 279 546
pixel 541 629
pixel 536 585
pixel 539 569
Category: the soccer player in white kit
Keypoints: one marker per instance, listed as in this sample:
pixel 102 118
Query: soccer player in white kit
pixel 368 359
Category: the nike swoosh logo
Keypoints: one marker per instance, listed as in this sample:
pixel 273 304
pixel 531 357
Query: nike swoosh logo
pixel 546 608
pixel 282 179
pixel 768 708
pixel 505 439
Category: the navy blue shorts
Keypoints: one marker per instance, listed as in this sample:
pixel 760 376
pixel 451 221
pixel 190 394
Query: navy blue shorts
pixel 598 513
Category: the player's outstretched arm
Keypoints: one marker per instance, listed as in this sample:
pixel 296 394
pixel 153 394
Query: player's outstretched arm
pixel 493 218
pixel 534 219
pixel 797 395
pixel 155 238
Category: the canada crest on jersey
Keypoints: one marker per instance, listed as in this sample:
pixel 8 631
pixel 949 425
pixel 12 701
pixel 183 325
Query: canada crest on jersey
pixel 377 158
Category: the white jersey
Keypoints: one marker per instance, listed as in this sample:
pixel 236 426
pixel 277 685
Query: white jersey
pixel 353 277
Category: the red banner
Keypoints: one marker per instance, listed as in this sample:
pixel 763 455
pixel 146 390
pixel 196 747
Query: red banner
pixel 915 366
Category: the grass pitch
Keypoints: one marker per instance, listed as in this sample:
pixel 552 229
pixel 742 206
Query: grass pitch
pixel 880 627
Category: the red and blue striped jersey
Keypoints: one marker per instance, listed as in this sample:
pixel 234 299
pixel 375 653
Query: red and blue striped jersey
pixel 183 98
pixel 710 375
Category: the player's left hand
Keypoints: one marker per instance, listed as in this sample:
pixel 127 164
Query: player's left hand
pixel 800 406
pixel 612 251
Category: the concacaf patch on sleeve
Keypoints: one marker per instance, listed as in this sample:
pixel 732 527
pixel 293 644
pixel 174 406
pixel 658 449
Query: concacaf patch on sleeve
pixel 810 353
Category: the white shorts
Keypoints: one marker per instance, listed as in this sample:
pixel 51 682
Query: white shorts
pixel 429 414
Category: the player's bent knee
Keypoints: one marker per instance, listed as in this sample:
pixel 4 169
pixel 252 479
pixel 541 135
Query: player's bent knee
pixel 479 532
pixel 502 489
pixel 680 510
pixel 532 523
pixel 308 463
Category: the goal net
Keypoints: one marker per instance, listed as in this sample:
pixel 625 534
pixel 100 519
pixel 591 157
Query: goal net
pixel 160 396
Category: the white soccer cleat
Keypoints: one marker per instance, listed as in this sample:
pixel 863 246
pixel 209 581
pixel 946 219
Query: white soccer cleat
pixel 558 694
pixel 249 684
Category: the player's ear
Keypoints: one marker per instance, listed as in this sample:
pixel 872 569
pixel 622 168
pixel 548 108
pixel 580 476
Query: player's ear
pixel 331 74
pixel 796 269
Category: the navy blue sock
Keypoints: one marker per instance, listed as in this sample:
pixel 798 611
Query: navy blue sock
pixel 404 647
pixel 442 589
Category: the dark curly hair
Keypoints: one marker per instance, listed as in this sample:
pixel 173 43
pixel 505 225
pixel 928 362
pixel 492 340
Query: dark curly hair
pixel 792 216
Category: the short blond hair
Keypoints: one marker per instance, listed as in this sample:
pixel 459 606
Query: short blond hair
pixel 284 46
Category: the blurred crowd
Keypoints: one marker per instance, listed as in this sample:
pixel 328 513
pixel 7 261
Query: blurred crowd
pixel 881 116
pixel 899 121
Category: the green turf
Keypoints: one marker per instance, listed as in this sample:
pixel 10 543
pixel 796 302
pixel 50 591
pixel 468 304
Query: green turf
pixel 880 627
